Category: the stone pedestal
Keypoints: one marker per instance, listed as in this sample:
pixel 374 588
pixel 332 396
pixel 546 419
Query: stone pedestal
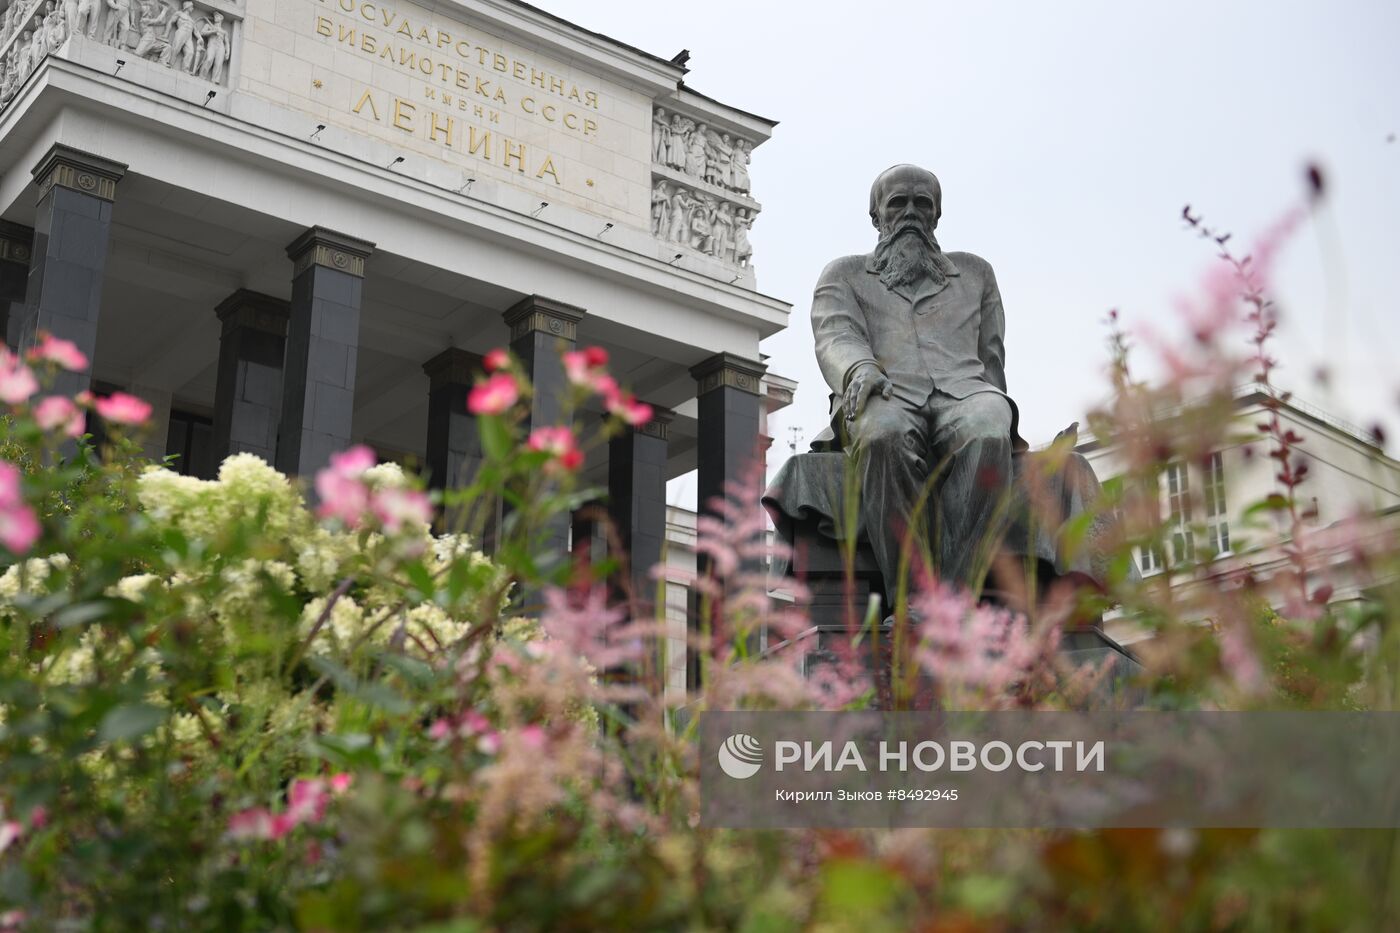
pixel 72 227
pixel 248 395
pixel 323 337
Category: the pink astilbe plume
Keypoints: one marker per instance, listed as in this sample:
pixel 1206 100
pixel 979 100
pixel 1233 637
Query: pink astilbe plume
pixel 977 655
pixel 580 622
pixel 736 550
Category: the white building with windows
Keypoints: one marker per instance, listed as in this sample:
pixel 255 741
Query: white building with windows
pixel 1205 506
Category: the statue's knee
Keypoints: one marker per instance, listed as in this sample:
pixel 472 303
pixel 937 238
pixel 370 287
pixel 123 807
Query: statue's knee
pixel 988 418
pixel 881 438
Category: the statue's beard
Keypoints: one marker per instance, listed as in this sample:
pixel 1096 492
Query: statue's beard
pixel 907 255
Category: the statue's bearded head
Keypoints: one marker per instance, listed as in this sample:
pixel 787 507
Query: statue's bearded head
pixel 905 204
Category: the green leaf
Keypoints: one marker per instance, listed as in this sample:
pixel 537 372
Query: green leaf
pixel 496 438
pixel 77 614
pixel 130 721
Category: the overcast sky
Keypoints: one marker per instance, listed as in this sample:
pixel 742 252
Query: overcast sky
pixel 1067 136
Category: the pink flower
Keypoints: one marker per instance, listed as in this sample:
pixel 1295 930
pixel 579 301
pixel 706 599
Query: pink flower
pixel 490 743
pixel 19 526
pixel 341 487
pixel 17 381
pixel 495 396
pixel 121 408
pixel 341 782
pixel 630 411
pixel 39 817
pixel 57 350
pixel 497 359
pixel 343 497
pixel 12 919
pixel 306 801
pixel 533 737
pixel 395 507
pixel 558 442
pixel 57 412
pixel 586 369
pixel 254 823
pixel 354 461
pixel 440 729
pixel 10 831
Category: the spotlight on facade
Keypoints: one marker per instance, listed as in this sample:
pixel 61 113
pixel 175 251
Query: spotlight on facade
pixel 674 258
pixel 319 128
pixel 536 211
pixel 735 279
pixel 207 98
pixel 466 187
pixel 120 63
pixel 397 160
pixel 606 228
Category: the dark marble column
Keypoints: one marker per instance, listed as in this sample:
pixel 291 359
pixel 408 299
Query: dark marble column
pixel 323 338
pixel 16 248
pixel 541 330
pixel 637 502
pixel 728 446
pixel 454 448
pixel 72 227
pixel 248 394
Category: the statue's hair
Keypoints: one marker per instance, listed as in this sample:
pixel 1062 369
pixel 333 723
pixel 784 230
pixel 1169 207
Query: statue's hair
pixel 880 178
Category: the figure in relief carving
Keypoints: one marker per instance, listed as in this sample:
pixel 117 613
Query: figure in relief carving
pixel 739 166
pixel 675 146
pixel 154 19
pixel 39 45
pixel 84 18
pixel 718 152
pixel 182 43
pixel 743 252
pixel 70 13
pixel 660 209
pixel 701 230
pixel 216 48
pixel 26 56
pixel 7 26
pixel 58 29
pixel 695 149
pixel 723 237
pixel 660 135
pixel 117 30
pixel 680 216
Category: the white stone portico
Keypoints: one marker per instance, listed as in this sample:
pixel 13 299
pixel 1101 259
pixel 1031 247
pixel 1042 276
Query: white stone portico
pixel 449 162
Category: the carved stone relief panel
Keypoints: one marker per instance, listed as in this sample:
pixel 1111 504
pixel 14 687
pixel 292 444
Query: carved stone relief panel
pixel 700 196
pixel 191 37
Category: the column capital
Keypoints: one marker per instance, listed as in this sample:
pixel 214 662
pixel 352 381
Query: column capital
pixel 453 366
pixel 545 315
pixel 660 424
pixel 319 246
pixel 82 171
pixel 16 242
pixel 256 311
pixel 728 369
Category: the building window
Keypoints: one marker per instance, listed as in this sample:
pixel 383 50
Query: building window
pixel 191 441
pixel 1217 525
pixel 1179 514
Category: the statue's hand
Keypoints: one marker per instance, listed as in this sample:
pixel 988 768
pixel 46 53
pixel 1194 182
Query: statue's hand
pixel 864 382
